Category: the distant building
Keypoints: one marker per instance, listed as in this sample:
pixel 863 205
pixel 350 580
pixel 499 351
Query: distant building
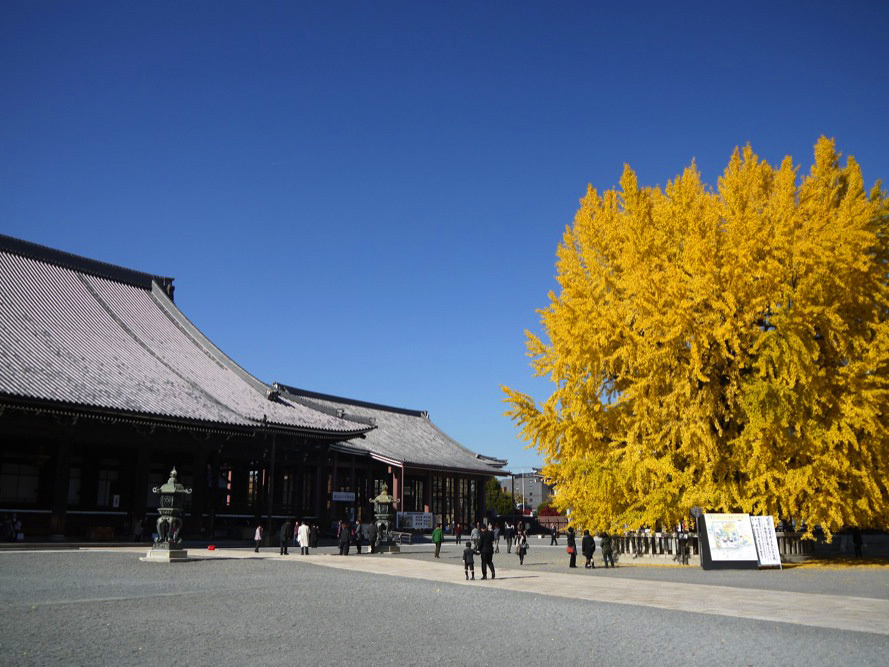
pixel 530 486
pixel 105 386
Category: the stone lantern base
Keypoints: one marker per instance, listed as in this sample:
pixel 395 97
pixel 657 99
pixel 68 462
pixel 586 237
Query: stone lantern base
pixel 165 556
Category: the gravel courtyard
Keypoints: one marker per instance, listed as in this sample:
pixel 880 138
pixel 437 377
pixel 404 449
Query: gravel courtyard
pixel 108 608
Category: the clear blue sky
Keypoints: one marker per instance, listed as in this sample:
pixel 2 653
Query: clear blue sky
pixel 365 198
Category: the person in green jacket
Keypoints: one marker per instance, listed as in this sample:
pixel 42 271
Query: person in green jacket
pixel 437 538
pixel 607 555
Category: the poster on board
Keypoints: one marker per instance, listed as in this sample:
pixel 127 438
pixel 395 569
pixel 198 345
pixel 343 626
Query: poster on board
pixel 730 537
pixel 766 541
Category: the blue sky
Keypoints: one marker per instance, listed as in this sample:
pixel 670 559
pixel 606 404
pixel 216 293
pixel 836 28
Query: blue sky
pixel 365 199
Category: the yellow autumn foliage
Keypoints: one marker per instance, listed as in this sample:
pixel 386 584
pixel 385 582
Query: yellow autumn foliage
pixel 726 349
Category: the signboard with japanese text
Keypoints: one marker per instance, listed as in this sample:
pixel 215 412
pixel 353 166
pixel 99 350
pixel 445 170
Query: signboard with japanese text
pixel 414 520
pixel 766 541
pixel 343 497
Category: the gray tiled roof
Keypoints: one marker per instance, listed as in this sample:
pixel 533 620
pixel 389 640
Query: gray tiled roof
pixel 403 436
pixel 71 335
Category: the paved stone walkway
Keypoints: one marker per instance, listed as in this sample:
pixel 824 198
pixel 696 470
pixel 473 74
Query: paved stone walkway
pixel 828 611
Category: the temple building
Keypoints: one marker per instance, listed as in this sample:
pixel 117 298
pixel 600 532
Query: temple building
pixel 105 385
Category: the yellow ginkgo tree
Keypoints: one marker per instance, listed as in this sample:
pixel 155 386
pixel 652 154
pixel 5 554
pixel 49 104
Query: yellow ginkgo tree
pixel 725 349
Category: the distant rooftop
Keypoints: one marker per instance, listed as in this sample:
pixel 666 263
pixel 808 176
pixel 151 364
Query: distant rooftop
pixel 401 436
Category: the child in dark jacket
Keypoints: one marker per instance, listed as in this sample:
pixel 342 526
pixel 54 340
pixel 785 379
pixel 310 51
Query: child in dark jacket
pixel 468 561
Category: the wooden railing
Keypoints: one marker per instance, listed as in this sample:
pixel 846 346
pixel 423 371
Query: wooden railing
pixel 665 544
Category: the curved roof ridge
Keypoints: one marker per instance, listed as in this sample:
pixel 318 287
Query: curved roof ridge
pixel 94 267
pixel 181 319
pixel 490 460
pixel 349 401
pixel 270 392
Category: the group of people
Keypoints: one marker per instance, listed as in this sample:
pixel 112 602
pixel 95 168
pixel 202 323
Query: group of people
pixel 484 541
pixel 348 534
pixel 303 535
pixel 481 542
pixel 588 548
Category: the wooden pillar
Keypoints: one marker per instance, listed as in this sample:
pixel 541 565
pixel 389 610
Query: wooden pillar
pixel 140 480
pixel 199 495
pixel 61 480
pixel 320 477
pixel 396 484
pixel 354 484
pixel 427 492
pixel 270 485
pixel 334 486
pixel 298 491
pixel 481 500
pixel 213 494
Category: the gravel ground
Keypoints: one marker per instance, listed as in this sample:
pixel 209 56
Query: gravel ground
pixel 104 608
pixel 856 582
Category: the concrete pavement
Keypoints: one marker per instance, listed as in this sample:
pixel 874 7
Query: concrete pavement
pixel 838 612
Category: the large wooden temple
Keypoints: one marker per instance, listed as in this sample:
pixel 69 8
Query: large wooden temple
pixel 105 385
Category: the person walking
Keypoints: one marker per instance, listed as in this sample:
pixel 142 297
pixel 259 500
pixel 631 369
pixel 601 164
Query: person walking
pixel 474 535
pixel 856 542
pixel 437 538
pixel 607 556
pixel 305 538
pixel 554 535
pixel 137 529
pixel 683 546
pixel 572 548
pixel 372 537
pixel 458 533
pixel 469 561
pixel 345 537
pixel 486 549
pixel 257 538
pixel 588 547
pixel 521 547
pixel 359 537
pixel 507 536
pixel 286 535
pixel 496 539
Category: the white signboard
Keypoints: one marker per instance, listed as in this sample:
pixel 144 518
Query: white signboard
pixel 414 520
pixel 766 541
pixel 343 497
pixel 730 537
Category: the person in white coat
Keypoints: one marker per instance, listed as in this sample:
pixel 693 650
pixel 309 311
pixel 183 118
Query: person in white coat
pixel 303 533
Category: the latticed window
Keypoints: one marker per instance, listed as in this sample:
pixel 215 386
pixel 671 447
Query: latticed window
pixel 106 486
pixel 254 487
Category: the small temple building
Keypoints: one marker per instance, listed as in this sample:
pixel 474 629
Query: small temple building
pixel 105 385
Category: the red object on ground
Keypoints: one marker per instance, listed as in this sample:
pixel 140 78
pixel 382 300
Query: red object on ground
pixel 212 547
